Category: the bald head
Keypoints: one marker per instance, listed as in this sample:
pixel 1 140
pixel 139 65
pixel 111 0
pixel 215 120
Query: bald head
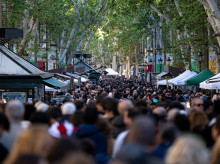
pixel 161 111
pixel 124 105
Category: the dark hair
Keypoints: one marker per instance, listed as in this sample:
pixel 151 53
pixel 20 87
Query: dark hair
pixel 177 104
pixel 79 104
pixel 55 112
pixel 29 110
pixel 4 122
pixel 87 146
pixel 168 132
pixel 40 118
pixel 132 154
pixel 91 114
pixel 182 122
pixel 61 148
pixel 207 104
pixel 133 113
pixel 216 107
pixel 77 118
pixel 110 104
pixel 27 159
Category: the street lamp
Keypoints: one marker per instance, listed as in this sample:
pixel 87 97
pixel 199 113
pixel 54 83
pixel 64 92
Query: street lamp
pixel 44 59
pixel 168 61
pixel 200 60
pixel 150 63
pixel 160 61
pixel 54 59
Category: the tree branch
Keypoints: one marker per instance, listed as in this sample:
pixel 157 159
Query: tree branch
pixel 204 2
pixel 159 13
pixel 178 8
pixel 214 7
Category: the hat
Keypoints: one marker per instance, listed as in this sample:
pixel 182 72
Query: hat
pixel 155 101
pixel 68 108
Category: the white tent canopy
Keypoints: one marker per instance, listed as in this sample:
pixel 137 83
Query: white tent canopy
pixel 212 83
pixel 160 75
pixel 182 81
pixel 162 82
pixel 179 80
pixel 111 72
pixel 48 89
pixel 180 77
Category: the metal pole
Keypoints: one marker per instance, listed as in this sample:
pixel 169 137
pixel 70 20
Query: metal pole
pixel 155 45
pixel 0 13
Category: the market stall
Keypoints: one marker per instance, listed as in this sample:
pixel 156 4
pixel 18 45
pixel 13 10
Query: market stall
pixel 202 76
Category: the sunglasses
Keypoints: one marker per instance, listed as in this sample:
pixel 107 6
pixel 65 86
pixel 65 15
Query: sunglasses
pixel 199 104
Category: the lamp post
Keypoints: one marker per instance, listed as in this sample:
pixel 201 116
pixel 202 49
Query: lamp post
pixel 54 59
pixel 218 62
pixel 168 61
pixel 150 63
pixel 44 59
pixel 160 61
pixel 200 61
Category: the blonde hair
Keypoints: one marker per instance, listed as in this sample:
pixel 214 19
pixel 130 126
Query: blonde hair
pixel 34 140
pixel 188 149
pixel 216 152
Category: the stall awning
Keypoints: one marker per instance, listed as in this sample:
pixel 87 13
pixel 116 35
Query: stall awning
pixel 202 76
pixel 160 75
pixel 54 83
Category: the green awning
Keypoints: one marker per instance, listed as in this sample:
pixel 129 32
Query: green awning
pixel 202 76
pixel 54 83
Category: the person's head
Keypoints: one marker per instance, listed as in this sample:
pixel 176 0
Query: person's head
pixel 15 110
pixel 131 154
pixel 188 149
pixel 110 107
pixel 167 132
pixel 43 107
pixel 80 105
pixel 129 115
pixel 77 118
pixel 29 110
pixel 172 114
pixel 35 140
pixel 216 107
pixel 124 105
pixel 40 118
pixel 55 114
pixel 91 114
pixel 30 159
pixel 99 102
pixel 182 122
pixel 62 148
pixel 198 119
pixel 77 158
pixel 177 105
pixel 68 108
pixel 142 132
pixel 160 111
pixel 197 104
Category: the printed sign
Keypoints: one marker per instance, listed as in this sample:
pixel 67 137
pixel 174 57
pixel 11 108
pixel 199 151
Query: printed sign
pixel 14 96
pixel 213 63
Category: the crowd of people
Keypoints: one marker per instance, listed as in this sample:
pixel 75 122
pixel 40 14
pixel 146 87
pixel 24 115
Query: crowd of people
pixel 117 121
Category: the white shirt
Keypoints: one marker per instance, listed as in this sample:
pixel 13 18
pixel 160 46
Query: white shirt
pixel 119 142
